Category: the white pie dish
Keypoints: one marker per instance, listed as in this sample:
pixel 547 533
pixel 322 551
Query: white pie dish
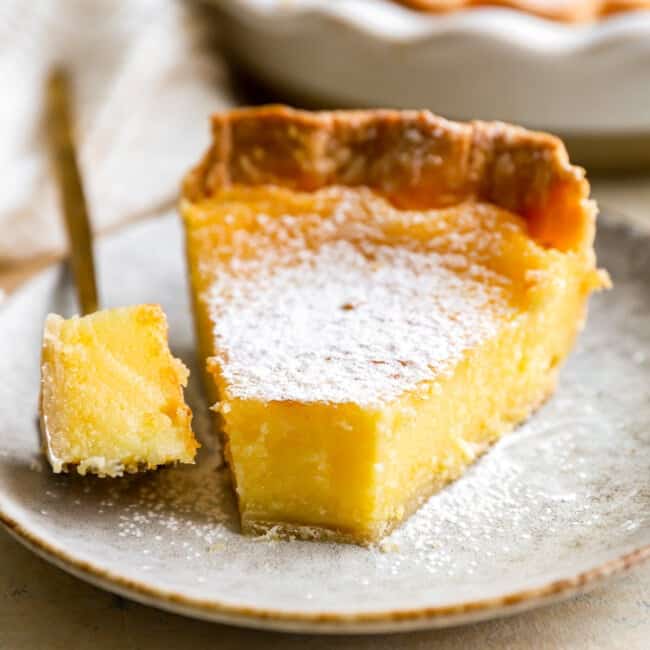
pixel 486 63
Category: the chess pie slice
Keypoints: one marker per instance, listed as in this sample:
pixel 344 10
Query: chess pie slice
pixel 379 295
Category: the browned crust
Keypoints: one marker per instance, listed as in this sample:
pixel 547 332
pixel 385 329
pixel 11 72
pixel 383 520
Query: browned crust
pixel 577 11
pixel 414 158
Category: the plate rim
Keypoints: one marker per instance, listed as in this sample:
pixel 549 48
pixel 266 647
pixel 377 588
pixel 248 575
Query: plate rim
pixel 395 620
pixel 324 622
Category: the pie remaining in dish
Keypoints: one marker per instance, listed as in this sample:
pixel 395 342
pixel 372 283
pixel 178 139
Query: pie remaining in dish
pixel 380 295
pixel 571 11
pixel 111 393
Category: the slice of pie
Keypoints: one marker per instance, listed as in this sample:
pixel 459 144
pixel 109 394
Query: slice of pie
pixel 380 296
pixel 568 11
pixel 112 394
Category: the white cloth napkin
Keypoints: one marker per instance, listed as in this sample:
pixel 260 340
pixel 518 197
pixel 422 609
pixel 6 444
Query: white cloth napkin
pixel 144 88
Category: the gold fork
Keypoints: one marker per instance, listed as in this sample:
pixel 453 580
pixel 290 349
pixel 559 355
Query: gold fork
pixel 60 136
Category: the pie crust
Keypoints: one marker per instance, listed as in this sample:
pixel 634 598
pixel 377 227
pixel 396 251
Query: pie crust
pixel 415 159
pixel 569 11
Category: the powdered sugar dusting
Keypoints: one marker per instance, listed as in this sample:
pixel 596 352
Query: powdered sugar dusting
pixel 346 320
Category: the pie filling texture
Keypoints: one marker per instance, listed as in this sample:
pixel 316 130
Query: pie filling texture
pixel 379 297
pixel 112 394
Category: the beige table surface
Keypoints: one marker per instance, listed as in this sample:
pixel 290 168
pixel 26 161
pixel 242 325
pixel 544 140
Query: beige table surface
pixel 43 607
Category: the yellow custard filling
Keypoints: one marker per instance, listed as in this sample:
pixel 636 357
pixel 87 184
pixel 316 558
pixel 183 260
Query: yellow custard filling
pixel 112 394
pixel 361 355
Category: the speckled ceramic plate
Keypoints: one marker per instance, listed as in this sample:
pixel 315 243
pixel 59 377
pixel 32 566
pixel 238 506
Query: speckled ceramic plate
pixel 557 505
